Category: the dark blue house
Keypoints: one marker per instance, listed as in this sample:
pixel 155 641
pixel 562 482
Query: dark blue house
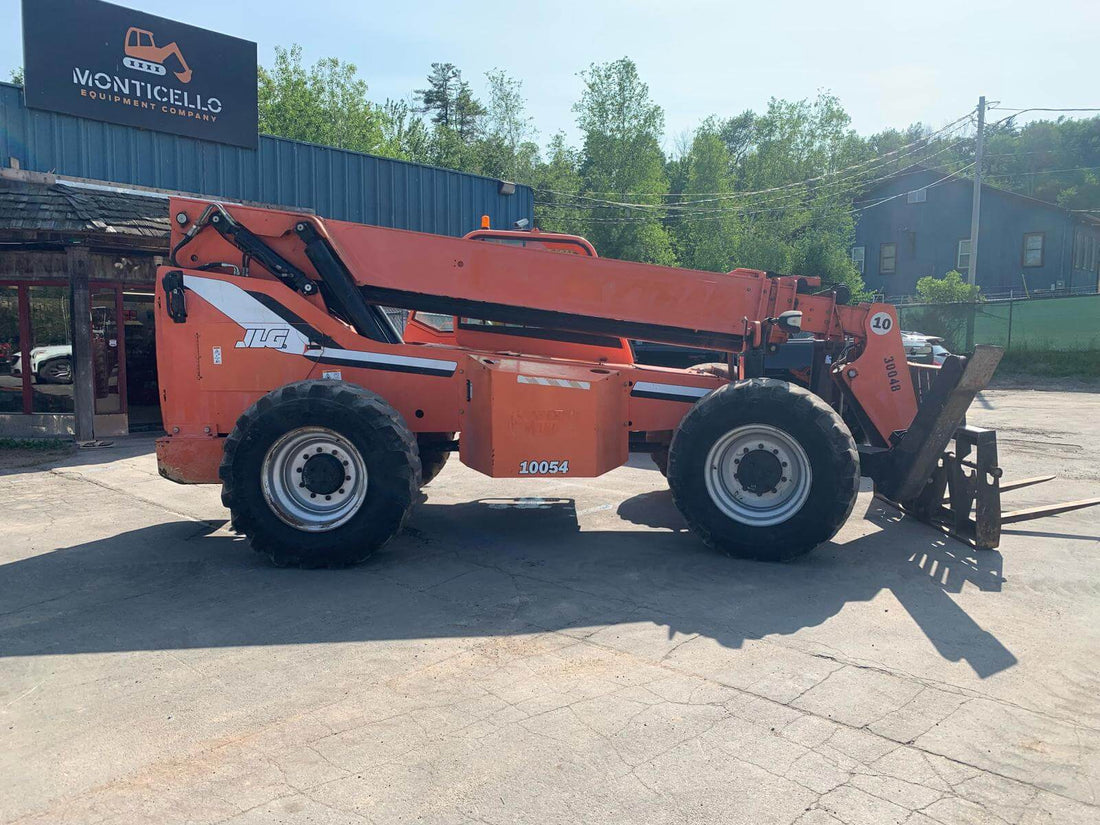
pixel 916 224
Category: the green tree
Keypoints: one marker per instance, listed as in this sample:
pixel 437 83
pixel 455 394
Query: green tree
pixel 707 241
pixel 950 289
pixel 326 103
pixel 440 98
pixel 507 149
pixel 404 135
pixel 17 76
pixel 456 116
pixel 621 155
pixel 766 191
pixel 557 181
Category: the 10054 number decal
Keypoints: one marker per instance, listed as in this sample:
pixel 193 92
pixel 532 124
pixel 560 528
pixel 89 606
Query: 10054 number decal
pixel 542 468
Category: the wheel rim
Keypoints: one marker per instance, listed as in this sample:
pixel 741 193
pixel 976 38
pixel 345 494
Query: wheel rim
pixel 314 479
pixel 758 475
pixel 58 371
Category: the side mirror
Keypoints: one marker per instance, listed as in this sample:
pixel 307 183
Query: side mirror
pixel 790 321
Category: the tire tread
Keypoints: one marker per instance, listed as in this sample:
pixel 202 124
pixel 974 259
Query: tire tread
pixel 372 411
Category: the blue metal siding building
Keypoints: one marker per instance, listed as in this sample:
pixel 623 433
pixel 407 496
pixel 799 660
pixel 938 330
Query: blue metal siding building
pixel 1063 248
pixel 334 183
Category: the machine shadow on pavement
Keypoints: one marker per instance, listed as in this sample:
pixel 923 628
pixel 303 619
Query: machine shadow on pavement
pixel 482 568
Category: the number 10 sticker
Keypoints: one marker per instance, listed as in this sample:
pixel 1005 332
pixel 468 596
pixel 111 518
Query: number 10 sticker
pixel 881 323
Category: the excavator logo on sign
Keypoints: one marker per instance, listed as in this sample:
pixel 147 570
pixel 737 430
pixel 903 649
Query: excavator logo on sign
pixel 144 55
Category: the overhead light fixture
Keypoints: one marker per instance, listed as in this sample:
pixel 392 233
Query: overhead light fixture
pixel 506 188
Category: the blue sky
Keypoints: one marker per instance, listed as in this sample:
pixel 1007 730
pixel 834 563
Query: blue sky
pixel 890 63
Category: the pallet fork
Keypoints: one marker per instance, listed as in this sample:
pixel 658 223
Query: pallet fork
pixel 957 490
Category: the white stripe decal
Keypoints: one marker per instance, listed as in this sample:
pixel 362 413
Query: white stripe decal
pixel 553 382
pixel 243 309
pixel 669 389
pixel 381 358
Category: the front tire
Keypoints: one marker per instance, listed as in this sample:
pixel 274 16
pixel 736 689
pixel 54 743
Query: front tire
pixel 763 469
pixel 319 474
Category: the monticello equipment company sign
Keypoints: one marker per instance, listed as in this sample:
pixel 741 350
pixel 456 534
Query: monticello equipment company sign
pixel 98 60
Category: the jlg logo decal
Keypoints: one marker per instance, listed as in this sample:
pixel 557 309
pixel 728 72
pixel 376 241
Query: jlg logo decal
pixel 264 338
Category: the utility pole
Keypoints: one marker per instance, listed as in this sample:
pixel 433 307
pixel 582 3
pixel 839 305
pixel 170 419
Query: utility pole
pixel 976 204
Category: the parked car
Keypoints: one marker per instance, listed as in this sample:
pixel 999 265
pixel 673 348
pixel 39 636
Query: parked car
pixel 49 365
pixel 924 349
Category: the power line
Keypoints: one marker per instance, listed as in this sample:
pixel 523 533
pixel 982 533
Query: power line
pixel 705 216
pixel 677 210
pixel 901 151
pixel 1035 109
pixel 785 196
pixel 1044 172
pixel 881 161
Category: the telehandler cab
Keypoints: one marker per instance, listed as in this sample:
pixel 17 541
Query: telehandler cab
pixel 284 379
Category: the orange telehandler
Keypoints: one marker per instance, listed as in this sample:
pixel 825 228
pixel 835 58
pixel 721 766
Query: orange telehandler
pixel 284 379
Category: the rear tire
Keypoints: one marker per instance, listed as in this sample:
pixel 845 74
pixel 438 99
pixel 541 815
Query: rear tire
pixel 432 456
pixel 763 469
pixel 319 474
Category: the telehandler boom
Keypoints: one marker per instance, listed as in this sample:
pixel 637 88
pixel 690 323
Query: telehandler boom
pixel 283 378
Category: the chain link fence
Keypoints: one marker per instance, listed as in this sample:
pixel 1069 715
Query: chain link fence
pixel 1035 325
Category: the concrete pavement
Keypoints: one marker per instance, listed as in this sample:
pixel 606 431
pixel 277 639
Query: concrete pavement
pixel 549 651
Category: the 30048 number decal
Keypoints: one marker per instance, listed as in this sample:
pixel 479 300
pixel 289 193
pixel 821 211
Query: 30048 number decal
pixel 542 468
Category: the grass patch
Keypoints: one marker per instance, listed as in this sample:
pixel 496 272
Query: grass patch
pixel 1051 364
pixel 35 443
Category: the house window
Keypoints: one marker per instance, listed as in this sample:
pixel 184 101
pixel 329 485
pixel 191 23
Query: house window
pixel 887 258
pixel 859 256
pixel 918 196
pixel 962 257
pixel 1033 248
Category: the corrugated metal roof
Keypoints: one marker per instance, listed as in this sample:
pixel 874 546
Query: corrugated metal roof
pixel 334 183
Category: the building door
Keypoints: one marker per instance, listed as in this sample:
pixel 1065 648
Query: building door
pixel 143 392
pixel 108 358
